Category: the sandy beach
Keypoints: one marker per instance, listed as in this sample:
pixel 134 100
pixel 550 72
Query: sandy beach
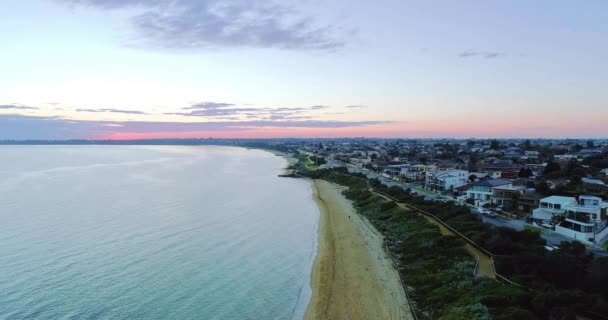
pixel 352 276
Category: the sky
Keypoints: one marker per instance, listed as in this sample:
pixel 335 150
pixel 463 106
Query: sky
pixel 137 69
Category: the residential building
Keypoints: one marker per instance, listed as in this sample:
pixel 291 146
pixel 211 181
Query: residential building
pixel 480 192
pixel 529 201
pixel 549 208
pixel 507 196
pixel 581 219
pixel 396 171
pixel 532 154
pixel 584 219
pixel 507 170
pixel 446 181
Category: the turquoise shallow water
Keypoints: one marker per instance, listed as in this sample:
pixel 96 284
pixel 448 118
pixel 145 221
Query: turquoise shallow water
pixel 106 232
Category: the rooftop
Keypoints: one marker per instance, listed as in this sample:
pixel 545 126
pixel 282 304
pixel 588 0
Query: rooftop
pixel 491 183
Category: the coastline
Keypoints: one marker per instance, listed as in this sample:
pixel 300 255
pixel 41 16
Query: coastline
pixel 352 276
pixel 290 161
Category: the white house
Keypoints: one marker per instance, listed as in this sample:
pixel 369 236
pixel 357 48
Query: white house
pixel 442 181
pixel 550 207
pixel 584 219
pixel 581 219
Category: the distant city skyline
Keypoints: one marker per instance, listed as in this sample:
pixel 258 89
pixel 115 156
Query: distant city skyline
pixel 133 69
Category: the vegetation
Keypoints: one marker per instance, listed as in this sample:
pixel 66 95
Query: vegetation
pixel 561 284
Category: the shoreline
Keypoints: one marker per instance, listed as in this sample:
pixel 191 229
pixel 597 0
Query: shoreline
pixel 288 157
pixel 352 275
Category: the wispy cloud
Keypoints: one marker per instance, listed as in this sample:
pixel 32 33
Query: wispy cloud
pixel 16 107
pixel 481 54
pixel 112 111
pixel 228 111
pixel 356 107
pixel 196 24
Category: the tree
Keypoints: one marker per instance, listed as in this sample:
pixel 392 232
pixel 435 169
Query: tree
pixel 473 178
pixel 494 145
pixel 552 167
pixel 542 187
pixel 590 144
pixel 525 173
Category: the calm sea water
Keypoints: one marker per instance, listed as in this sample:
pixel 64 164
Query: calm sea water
pixel 106 232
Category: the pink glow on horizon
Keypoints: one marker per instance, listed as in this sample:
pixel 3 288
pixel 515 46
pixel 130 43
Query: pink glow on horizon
pixel 435 128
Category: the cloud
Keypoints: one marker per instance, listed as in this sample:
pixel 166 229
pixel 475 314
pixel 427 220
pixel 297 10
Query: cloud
pixel 481 54
pixel 203 24
pixel 20 127
pixel 16 107
pixel 111 111
pixel 209 105
pixel 228 111
pixel 356 107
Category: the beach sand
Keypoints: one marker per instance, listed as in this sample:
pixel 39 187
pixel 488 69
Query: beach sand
pixel 352 277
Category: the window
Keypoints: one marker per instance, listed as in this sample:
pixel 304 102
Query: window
pixel 544 205
pixel 557 206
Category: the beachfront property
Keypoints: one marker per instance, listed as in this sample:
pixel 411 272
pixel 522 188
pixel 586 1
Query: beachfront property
pixel 396 171
pixel 549 208
pixel 481 191
pixel 582 219
pixel 444 181
pixel 418 172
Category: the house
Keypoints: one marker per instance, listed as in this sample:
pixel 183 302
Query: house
pixel 529 201
pixel 532 154
pixel 584 219
pixel 395 170
pixel 418 172
pixel 565 157
pixel 507 170
pixel 480 192
pixel 550 207
pixel 507 196
pixel 580 219
pixel 444 181
pixel 360 162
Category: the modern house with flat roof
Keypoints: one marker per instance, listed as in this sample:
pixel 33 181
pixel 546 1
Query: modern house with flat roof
pixel 585 219
pixel 444 181
pixel 581 219
pixel 553 206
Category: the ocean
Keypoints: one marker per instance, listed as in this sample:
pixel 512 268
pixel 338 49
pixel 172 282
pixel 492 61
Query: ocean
pixel 153 232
